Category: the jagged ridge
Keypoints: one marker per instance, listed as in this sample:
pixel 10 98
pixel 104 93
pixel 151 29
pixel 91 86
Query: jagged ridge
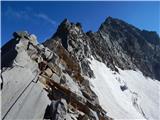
pixel 69 92
pixel 64 69
pixel 116 43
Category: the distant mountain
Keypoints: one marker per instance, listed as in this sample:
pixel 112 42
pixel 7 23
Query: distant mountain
pixel 116 43
pixel 113 73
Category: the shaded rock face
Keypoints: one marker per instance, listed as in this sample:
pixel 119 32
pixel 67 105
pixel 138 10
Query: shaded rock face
pixel 11 49
pixel 75 41
pixel 58 110
pixel 131 47
pixel 8 55
pixel 116 43
pixel 151 37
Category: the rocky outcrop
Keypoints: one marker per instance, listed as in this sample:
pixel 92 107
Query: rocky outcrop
pixel 22 94
pixel 40 70
pixel 130 47
pixel 54 76
pixel 116 43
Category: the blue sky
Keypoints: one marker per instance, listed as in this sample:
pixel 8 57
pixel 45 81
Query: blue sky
pixel 42 18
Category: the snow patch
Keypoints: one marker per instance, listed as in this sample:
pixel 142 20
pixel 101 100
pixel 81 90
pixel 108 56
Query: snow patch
pixel 140 99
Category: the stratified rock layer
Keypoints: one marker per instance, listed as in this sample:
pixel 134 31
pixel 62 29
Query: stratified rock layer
pixel 48 79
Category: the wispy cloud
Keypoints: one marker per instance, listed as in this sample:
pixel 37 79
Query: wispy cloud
pixel 29 14
pixel 17 14
pixel 46 18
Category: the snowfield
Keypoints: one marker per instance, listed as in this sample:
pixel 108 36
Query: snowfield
pixel 126 95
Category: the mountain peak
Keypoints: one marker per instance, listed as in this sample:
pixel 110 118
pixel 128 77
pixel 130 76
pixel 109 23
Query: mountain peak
pixel 109 18
pixel 110 22
pixel 65 22
pixel 64 25
pixel 113 33
pixel 66 30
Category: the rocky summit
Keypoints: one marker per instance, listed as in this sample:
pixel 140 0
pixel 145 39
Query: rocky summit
pixel 61 78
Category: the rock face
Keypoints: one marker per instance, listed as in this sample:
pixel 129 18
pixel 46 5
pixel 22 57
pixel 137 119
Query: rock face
pixel 22 94
pixel 132 48
pixel 116 43
pixel 54 77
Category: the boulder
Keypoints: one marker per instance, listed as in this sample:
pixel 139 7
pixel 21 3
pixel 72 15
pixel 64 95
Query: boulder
pixel 58 109
pixel 33 39
pixel 63 80
pixel 48 53
pixel 55 68
pixel 42 79
pixel 40 47
pixel 84 117
pixel 55 58
pixel 93 115
pixel 45 52
pixel 42 65
pixel 123 87
pixel 21 34
pixel 39 59
pixel 48 72
pixel 56 78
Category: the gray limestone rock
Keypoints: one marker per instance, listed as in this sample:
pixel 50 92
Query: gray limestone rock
pixel 58 109
pixel 56 78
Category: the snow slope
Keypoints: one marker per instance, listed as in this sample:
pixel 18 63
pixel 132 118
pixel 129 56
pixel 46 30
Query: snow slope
pixel 140 99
